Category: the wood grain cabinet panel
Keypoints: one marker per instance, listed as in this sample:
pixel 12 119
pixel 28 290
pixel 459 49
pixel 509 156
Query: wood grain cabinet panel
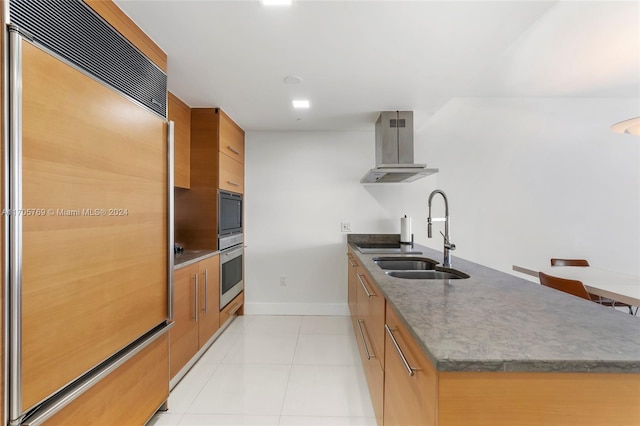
pixel 129 396
pixel 184 334
pixel 101 176
pixel 180 114
pixel 352 284
pixel 231 174
pixel 231 140
pixel 209 298
pixel 410 398
pixel 369 328
pixel 236 306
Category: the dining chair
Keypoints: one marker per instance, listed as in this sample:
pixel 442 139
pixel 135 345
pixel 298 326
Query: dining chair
pixel 594 297
pixel 573 287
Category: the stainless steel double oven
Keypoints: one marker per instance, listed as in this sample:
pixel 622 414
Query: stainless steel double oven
pixel 231 245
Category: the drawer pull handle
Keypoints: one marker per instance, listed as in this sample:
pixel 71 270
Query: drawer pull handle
pixel 235 308
pixel 195 299
pixel 206 291
pixel 364 342
pixel 230 182
pixel 354 264
pixel 409 368
pixel 366 290
pixel 232 149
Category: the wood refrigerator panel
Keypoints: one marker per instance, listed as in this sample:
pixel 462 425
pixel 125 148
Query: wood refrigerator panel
pixel 94 258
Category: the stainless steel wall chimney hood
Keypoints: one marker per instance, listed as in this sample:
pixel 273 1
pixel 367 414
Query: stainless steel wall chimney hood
pixel 394 150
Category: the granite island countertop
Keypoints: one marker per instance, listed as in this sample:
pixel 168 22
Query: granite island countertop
pixel 494 321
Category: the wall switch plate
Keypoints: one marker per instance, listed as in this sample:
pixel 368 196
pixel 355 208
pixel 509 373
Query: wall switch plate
pixel 283 280
pixel 345 226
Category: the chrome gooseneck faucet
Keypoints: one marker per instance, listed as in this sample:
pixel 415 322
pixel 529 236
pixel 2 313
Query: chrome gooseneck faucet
pixel 448 246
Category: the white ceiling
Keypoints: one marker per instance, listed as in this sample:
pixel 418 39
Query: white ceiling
pixel 357 58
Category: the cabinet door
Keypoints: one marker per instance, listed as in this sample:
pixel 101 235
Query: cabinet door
pixel 231 140
pixel 180 114
pixel 352 284
pixel 184 334
pixel 365 329
pixel 409 396
pixel 209 298
pixel 231 174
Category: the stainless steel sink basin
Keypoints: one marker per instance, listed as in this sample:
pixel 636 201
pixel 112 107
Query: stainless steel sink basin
pixel 439 274
pixel 406 263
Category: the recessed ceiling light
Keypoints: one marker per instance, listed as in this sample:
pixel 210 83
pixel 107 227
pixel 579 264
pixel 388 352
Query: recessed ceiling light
pixel 276 2
pixel 301 103
pixel 292 79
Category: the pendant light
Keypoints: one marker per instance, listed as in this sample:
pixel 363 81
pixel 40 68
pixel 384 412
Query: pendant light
pixel 630 126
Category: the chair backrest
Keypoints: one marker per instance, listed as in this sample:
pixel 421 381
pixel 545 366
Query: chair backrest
pixel 574 287
pixel 569 262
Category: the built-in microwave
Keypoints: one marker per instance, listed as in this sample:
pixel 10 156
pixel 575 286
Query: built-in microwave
pixel 229 219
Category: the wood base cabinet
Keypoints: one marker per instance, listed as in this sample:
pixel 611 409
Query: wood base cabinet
pixel 130 395
pixel 410 379
pixel 352 284
pixel 406 389
pixel 184 334
pixel 196 309
pixel 367 305
pixel 235 307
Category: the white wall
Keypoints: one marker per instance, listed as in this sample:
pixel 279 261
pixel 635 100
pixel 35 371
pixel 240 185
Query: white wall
pixel 299 187
pixel 527 179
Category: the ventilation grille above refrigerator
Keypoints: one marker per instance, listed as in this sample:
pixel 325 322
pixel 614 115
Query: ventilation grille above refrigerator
pixel 70 29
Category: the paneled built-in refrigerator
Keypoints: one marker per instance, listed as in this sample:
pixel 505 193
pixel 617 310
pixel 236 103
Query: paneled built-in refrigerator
pixel 88 197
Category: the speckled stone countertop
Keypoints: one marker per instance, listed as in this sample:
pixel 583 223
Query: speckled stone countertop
pixel 189 257
pixel 495 321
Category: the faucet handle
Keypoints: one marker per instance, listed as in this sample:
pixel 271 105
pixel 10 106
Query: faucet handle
pixel 448 244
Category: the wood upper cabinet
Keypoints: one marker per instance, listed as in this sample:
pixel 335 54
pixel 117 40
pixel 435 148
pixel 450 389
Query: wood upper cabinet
pixel 208 298
pixel 212 168
pixel 180 114
pixel 231 147
pixel 184 335
pixel 410 395
pixel 231 141
pixel 231 175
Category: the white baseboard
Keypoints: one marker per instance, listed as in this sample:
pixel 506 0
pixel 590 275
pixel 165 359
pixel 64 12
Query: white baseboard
pixel 340 309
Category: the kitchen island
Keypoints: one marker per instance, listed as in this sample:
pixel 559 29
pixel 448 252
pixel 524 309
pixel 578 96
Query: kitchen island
pixel 506 350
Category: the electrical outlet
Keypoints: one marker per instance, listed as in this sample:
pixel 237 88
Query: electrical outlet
pixel 345 226
pixel 283 280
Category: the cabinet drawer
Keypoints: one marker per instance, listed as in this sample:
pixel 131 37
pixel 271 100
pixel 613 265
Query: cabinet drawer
pixel 231 174
pixel 371 305
pixel 130 395
pixel 234 307
pixel 231 139
pixel 375 381
pixel 409 397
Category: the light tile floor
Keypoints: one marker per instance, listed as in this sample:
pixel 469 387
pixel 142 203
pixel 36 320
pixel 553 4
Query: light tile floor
pixel 275 370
